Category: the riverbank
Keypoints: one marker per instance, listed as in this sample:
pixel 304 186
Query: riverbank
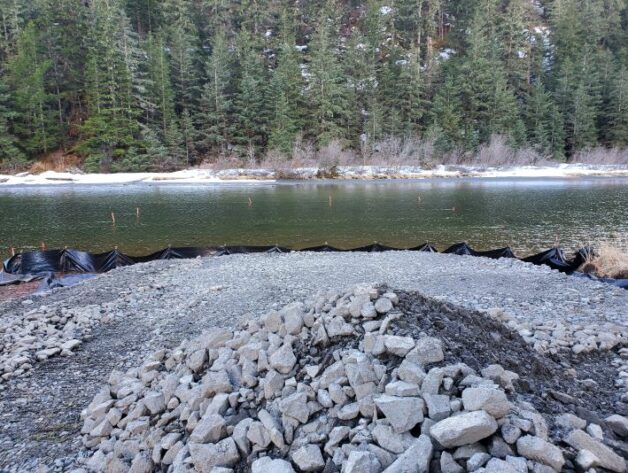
pixel 255 175
pixel 122 317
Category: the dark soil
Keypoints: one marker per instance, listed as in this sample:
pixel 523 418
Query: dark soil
pixel 477 340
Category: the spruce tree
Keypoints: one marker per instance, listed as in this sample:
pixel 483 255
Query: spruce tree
pixel 34 121
pixel 215 117
pixel 251 103
pixel 286 86
pixel 617 109
pixel 10 153
pixel 328 93
pixel 115 88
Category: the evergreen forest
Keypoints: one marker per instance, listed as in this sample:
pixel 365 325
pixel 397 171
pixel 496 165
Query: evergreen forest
pixel 130 85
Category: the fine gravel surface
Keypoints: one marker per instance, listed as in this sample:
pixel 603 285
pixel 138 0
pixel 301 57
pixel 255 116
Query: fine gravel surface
pixel 143 308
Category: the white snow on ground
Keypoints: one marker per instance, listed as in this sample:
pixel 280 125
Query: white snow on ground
pixel 258 175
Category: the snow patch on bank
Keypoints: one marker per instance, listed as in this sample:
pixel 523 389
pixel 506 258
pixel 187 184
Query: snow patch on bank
pixel 256 175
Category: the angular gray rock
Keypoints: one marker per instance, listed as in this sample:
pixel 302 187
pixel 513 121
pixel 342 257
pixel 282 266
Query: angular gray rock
pixel 492 401
pixel 361 462
pixel 607 458
pixel 207 456
pixel 427 350
pixel 537 449
pixel 308 458
pixel 210 429
pixel 463 429
pixel 618 424
pixel 403 413
pixel 283 359
pixel 416 459
pixel 268 465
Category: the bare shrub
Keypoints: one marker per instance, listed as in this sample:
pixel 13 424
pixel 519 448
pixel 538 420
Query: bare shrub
pixel 497 152
pixel 395 151
pixel 333 154
pixel 601 155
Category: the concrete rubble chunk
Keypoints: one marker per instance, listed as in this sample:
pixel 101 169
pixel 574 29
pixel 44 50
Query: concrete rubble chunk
pixel 268 465
pixel 569 421
pixel 478 460
pixel 295 406
pixel 397 345
pixel 493 401
pixel 403 413
pixel 154 402
pixel 411 372
pixel 496 465
pixel 438 406
pixel 618 424
pixel 607 458
pixel 427 350
pixel 416 459
pixel 206 456
pixel 308 458
pixel 463 429
pixel 210 429
pixel 283 359
pixel 361 462
pixel 390 440
pixel 383 305
pixel 448 464
pixel 537 449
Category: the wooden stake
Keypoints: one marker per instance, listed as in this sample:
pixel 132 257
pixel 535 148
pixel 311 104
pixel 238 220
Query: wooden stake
pixel 137 213
pixel 250 202
pixel 331 201
pixel 42 246
pixel 113 218
pixel 12 251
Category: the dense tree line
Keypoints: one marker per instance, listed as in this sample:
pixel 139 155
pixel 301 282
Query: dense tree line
pixel 161 84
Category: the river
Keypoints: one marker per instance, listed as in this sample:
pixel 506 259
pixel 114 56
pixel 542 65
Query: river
pixel 527 214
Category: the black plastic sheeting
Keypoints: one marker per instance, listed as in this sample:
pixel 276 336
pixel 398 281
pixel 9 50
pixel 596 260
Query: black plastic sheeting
pixel 46 263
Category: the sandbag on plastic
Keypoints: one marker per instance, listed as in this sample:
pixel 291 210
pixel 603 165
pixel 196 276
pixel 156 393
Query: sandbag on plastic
pixel 374 248
pixel 243 249
pixel 175 253
pixel 582 256
pixel 113 259
pixel 322 249
pixel 426 247
pixel 36 262
pixel 496 254
pixel 461 249
pixel 554 258
pixel 75 261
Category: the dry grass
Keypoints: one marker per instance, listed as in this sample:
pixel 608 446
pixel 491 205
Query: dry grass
pixel 609 261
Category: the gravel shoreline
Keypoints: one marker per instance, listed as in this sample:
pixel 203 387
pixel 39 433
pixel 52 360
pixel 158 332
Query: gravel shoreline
pixel 135 311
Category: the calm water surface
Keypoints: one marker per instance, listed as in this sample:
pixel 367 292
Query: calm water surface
pixel 527 214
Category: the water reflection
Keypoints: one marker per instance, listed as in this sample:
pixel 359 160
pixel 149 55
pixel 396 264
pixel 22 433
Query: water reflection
pixel 527 214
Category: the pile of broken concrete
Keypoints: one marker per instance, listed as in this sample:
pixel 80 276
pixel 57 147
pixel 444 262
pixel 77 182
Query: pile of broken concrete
pixel 326 386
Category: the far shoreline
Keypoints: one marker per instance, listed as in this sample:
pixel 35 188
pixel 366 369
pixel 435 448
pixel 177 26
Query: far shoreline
pixel 339 173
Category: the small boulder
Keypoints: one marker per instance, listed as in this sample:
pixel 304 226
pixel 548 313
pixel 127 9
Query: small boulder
pixel 308 458
pixel 463 429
